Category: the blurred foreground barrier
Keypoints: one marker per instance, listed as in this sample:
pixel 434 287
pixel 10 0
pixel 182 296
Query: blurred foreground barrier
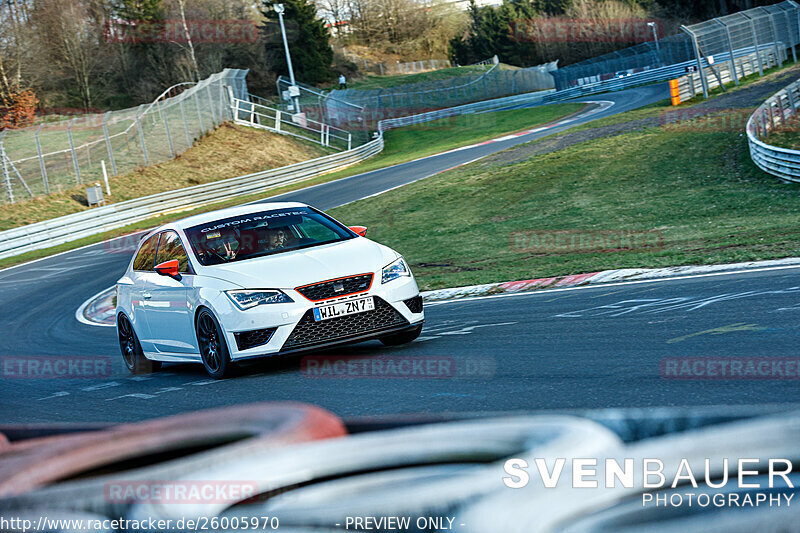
pixel 447 475
pixel 161 449
pixel 480 446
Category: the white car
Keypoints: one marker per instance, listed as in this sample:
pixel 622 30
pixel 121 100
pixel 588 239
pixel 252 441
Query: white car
pixel 256 280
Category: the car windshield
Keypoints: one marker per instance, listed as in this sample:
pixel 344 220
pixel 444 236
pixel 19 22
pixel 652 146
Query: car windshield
pixel 263 233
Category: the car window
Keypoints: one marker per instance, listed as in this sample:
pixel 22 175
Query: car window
pixel 169 248
pixel 316 231
pixel 145 259
pixel 263 233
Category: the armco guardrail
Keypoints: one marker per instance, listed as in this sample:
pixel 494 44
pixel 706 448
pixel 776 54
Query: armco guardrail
pixel 86 223
pixel 721 72
pixel 776 111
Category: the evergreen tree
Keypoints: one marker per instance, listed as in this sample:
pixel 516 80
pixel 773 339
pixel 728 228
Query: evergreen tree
pixel 308 38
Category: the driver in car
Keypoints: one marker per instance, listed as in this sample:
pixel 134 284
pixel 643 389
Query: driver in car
pixel 276 238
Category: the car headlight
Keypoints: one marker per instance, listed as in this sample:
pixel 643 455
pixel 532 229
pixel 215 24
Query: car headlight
pixel 245 299
pixel 396 269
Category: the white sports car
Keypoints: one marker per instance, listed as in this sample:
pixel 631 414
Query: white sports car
pixel 258 280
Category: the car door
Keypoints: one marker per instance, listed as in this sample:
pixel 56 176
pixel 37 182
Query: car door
pixel 168 314
pixel 141 274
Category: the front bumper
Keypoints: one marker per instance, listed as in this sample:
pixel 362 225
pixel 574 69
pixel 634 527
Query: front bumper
pixel 291 327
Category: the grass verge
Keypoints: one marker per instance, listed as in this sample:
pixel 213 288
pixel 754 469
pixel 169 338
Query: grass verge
pixel 402 144
pixel 695 189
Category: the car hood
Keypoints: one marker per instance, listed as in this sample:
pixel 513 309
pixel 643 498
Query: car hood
pixel 309 265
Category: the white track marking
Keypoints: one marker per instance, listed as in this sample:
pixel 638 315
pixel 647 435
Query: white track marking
pixel 612 284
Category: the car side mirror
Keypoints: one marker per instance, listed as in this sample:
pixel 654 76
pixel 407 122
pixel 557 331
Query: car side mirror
pixel 169 268
pixel 361 230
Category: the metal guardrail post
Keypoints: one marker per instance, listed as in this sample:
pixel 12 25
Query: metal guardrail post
pixel 236 110
pixel 211 105
pixel 141 135
pixel 794 37
pixel 108 144
pixel 72 149
pixel 222 106
pixel 778 52
pixel 730 50
pixel 755 44
pixel 185 124
pixel 278 120
pixel 199 113
pixel 166 128
pixel 700 70
pixel 42 166
pixel 6 176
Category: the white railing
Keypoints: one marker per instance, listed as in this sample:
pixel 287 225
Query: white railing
pixel 257 115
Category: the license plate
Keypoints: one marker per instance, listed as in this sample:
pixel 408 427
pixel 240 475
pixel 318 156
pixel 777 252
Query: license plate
pixel 350 307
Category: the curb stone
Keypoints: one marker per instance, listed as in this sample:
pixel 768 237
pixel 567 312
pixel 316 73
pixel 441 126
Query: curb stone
pixel 595 278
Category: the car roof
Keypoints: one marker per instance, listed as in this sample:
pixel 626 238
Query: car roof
pixel 211 216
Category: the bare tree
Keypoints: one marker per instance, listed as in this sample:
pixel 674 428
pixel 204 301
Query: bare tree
pixel 188 36
pixel 70 32
pixel 412 28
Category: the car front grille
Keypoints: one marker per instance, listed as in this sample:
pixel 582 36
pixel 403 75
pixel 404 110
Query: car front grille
pixel 414 304
pixel 308 332
pixel 328 289
pixel 253 338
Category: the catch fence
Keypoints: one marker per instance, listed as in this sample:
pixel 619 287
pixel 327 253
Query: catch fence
pixel 54 156
pixel 763 32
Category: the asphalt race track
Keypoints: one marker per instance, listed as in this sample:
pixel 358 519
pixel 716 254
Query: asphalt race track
pixel 605 346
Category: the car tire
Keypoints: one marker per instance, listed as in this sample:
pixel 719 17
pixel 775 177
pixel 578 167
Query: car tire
pixel 213 347
pixel 404 337
pixel 131 349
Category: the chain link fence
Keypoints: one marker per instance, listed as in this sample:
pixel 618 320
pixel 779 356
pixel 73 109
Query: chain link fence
pixel 760 32
pixel 55 156
pixel 360 111
pixel 314 104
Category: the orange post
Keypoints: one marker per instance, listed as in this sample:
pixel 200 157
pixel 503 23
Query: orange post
pixel 674 92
